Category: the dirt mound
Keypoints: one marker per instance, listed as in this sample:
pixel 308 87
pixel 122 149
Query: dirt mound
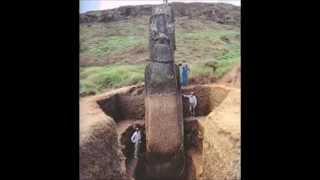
pixel 221 151
pixel 100 155
pixel 99 152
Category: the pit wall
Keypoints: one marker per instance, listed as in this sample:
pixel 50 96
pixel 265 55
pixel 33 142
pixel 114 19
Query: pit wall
pixel 100 156
pixel 124 103
pixel 208 97
pixel 221 143
pixel 130 104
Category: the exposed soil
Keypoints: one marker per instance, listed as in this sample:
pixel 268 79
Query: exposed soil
pixel 222 134
pixel 131 105
pixel 202 80
pixel 99 151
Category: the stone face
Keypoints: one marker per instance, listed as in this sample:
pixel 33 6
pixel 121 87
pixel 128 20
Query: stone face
pixel 162 26
pixel 163 102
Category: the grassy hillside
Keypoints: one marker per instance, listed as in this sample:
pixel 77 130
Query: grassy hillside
pixel 114 54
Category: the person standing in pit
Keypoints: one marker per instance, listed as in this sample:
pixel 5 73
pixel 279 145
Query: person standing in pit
pixel 136 139
pixel 192 103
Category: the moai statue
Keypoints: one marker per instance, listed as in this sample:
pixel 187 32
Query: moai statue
pixel 163 101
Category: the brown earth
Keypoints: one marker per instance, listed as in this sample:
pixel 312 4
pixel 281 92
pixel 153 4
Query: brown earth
pixel 221 154
pixel 202 80
pixel 100 155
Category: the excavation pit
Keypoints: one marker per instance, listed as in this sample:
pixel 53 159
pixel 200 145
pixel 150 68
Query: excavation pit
pixel 192 143
pixel 125 107
pixel 130 105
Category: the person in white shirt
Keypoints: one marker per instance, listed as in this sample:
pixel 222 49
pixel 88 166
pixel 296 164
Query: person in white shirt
pixel 192 103
pixel 136 139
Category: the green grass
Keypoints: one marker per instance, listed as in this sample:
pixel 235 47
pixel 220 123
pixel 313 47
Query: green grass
pixel 204 46
pixel 101 40
pixel 100 48
pixel 227 61
pixel 200 70
pixel 96 79
pixel 198 43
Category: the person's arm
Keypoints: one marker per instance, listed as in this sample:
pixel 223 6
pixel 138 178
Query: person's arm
pixel 195 101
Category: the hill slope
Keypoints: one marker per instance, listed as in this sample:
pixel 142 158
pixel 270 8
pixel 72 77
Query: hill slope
pixel 218 12
pixel 114 43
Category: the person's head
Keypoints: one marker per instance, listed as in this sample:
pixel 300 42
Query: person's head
pixel 135 127
pixel 192 93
